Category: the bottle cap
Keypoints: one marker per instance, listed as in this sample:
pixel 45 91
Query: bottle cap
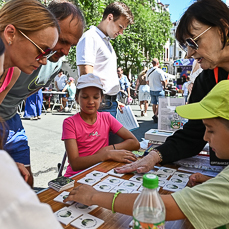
pixel 150 181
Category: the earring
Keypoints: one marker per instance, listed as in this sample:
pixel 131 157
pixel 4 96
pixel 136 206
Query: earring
pixel 227 41
pixel 10 42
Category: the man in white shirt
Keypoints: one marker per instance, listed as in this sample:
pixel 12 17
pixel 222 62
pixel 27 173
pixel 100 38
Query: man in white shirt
pixel 155 77
pixel 60 80
pixel 95 53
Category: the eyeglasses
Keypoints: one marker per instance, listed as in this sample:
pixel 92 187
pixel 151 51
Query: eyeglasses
pixel 191 42
pixel 44 53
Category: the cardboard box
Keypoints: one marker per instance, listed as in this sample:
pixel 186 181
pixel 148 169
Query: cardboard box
pixel 157 135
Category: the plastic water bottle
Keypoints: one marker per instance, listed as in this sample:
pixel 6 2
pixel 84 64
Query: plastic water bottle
pixel 149 209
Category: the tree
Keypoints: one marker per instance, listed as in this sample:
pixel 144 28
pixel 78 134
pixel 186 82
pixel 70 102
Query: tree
pixel 144 39
pixel 2 2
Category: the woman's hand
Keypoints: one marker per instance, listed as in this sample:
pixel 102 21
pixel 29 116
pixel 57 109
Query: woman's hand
pixel 82 194
pixel 124 156
pixel 197 178
pixel 24 172
pixel 141 166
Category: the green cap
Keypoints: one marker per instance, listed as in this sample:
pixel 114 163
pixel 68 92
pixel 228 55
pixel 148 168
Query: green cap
pixel 214 104
pixel 150 181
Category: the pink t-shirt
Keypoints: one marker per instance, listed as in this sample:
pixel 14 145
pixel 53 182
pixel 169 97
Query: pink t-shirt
pixel 7 79
pixel 90 138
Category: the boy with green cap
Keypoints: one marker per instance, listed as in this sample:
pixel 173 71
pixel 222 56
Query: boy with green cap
pixel 205 205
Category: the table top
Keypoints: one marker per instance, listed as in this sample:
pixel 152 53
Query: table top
pixel 112 221
pixel 54 92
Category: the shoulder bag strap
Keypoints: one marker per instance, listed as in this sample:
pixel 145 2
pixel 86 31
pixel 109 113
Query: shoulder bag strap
pixel 151 72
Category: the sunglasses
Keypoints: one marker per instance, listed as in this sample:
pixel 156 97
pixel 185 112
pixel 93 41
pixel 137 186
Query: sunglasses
pixel 44 53
pixel 191 42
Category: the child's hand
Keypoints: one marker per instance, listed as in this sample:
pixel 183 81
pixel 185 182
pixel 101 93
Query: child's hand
pixel 82 194
pixel 122 156
pixel 197 178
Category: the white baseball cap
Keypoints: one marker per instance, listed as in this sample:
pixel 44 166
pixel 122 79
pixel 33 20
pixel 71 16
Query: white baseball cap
pixel 89 80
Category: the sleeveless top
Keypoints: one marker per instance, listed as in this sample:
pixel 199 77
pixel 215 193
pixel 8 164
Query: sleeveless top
pixel 7 79
pixel 142 79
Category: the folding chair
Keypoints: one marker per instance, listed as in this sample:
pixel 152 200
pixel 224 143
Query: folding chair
pixel 60 166
pixel 71 105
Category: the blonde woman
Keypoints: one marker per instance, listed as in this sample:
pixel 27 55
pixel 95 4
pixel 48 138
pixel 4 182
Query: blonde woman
pixel 29 32
pixel 144 91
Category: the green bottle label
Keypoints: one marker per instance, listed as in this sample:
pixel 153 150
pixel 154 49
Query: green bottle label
pixel 141 225
pixel 175 124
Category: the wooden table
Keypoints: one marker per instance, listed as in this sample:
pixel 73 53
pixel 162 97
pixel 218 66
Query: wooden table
pixel 112 221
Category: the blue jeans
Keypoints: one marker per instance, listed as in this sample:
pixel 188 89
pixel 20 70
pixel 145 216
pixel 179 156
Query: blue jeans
pixel 109 106
pixel 155 95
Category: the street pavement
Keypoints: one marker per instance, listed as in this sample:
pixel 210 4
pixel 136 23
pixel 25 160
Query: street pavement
pixel 47 149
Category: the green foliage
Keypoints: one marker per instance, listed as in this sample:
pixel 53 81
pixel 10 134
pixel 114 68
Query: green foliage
pixel 145 39
pixel 2 3
pixel 141 41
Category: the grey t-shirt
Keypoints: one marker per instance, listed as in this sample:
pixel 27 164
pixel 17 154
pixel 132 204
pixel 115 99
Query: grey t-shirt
pixel 27 84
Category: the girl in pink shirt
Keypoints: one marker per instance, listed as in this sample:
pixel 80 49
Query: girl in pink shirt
pixel 86 134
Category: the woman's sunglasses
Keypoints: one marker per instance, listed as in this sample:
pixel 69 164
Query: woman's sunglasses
pixel 44 53
pixel 191 42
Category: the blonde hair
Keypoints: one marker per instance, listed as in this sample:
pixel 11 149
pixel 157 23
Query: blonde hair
pixel 143 72
pixel 26 15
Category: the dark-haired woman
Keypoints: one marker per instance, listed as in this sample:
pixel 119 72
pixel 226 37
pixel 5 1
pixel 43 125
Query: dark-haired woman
pixel 204 32
pixel 29 32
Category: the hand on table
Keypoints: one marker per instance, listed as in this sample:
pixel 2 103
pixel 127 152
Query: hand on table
pixel 124 156
pixel 82 194
pixel 24 172
pixel 197 178
pixel 141 166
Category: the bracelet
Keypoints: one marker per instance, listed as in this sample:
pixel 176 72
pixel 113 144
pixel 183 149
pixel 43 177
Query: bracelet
pixel 159 154
pixel 115 196
pixel 114 146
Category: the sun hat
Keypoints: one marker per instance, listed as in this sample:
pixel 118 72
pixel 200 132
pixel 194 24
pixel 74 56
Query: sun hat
pixel 214 104
pixel 89 80
pixel 71 79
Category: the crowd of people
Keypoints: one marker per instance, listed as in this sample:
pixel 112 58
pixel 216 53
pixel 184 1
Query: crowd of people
pixel 48 34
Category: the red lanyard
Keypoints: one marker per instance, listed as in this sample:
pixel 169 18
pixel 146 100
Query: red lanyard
pixel 216 71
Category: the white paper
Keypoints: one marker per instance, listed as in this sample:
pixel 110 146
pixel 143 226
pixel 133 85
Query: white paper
pixel 65 215
pixel 96 174
pixel 89 180
pixel 104 187
pixel 112 172
pixel 113 180
pixel 127 118
pixel 87 221
pixel 60 198
pixel 81 208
